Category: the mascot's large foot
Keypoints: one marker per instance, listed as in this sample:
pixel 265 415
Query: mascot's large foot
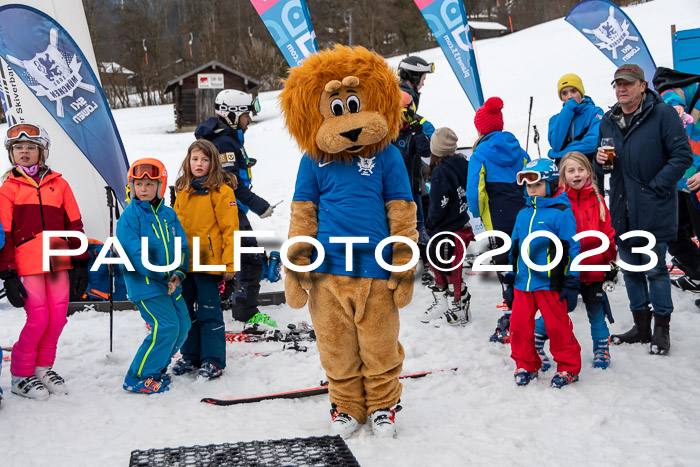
pixel 342 424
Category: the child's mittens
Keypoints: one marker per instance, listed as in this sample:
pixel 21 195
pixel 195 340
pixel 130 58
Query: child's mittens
pixel 402 285
pixel 509 293
pixel 569 292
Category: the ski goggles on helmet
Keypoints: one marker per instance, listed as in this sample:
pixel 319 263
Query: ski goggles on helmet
pixel 145 170
pixel 529 177
pixel 26 132
pixel 253 107
pixel 417 67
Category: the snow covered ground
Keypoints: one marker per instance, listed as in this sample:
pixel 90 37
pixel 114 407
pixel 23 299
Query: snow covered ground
pixel 643 410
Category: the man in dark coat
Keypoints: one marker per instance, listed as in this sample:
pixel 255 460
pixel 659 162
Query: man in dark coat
pixel 651 154
pixel 226 130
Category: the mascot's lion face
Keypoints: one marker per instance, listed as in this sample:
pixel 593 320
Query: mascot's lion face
pixel 342 103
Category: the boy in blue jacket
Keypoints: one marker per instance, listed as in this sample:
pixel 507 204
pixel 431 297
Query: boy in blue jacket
pixel 157 295
pixel 554 291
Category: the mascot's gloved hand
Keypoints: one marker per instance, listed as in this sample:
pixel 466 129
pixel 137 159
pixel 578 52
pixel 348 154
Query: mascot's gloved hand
pixel 80 276
pixel 569 292
pixel 304 222
pixel 16 293
pixel 401 216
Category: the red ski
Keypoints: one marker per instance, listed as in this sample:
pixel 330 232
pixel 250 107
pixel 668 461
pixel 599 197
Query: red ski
pixel 308 392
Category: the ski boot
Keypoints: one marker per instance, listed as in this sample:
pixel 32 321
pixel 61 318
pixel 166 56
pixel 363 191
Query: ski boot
pixel 29 387
pixel 601 354
pixel 523 377
pixel 539 346
pixel 144 386
pixel 457 314
pixel 437 307
pixel 261 318
pixel 51 380
pixel 341 423
pixel 686 284
pixel 502 333
pixel 563 378
pixel 209 371
pixel 182 366
pixel 384 422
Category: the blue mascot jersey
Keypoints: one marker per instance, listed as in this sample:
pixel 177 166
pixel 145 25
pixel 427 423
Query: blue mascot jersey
pixel 350 199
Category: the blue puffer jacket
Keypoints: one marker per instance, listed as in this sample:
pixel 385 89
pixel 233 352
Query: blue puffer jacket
pixel 651 155
pixel 553 215
pixel 161 226
pixel 448 201
pixel 234 159
pixel 492 193
pixel 575 128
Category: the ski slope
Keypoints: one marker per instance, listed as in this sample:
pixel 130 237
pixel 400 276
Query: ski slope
pixel 643 410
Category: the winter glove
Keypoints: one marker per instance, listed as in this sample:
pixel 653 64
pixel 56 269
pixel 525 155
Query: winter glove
pixel 509 292
pixel 226 288
pixel 268 212
pixel 80 276
pixel 569 292
pixel 304 221
pixel 16 293
pixel 401 216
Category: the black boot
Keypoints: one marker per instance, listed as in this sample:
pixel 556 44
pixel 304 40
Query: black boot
pixel 640 332
pixel 661 341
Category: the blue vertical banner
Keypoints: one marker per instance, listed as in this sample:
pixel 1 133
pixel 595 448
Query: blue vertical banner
pixel 290 25
pixel 447 20
pixel 609 28
pixel 49 62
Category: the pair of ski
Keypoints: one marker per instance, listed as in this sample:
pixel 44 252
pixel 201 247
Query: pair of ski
pixel 299 393
pixel 253 333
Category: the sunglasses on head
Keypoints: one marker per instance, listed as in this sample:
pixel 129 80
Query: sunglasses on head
pixel 528 177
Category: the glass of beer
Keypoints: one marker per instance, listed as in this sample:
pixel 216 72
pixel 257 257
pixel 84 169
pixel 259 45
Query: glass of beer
pixel 608 145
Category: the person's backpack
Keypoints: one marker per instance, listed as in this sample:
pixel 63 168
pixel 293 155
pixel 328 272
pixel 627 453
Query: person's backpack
pixel 666 78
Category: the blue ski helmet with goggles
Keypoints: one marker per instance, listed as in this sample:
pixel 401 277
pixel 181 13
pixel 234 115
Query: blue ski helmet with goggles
pixel 540 169
pixel 230 104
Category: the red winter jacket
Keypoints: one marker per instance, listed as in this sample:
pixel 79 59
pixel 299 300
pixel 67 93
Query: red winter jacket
pixel 26 211
pixel 586 206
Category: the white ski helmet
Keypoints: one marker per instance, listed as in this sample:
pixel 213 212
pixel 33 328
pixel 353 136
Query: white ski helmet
pixel 234 103
pixel 27 132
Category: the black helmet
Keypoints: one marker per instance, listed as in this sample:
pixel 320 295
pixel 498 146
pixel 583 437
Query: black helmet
pixel 413 68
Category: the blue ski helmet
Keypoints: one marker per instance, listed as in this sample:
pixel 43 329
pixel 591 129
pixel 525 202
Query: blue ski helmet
pixel 540 169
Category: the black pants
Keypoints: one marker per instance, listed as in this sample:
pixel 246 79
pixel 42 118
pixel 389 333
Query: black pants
pixel 245 299
pixel 683 248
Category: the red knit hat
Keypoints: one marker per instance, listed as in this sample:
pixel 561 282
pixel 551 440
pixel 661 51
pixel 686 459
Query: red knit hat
pixel 489 117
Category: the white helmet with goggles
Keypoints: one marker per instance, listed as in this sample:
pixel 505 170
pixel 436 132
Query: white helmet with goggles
pixel 230 104
pixel 27 132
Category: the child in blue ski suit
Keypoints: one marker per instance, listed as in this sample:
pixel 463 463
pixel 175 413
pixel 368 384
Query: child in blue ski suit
pixel 157 295
pixel 554 291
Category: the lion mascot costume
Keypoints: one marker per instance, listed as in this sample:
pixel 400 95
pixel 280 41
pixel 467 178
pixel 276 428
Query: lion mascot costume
pixel 343 107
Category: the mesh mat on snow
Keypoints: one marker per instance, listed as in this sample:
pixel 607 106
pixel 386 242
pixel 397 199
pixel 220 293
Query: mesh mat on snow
pixel 314 451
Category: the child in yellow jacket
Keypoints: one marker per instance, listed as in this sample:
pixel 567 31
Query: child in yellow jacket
pixel 206 207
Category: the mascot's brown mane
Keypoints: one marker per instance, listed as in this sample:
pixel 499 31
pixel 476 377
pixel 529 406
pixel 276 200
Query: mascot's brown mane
pixel 342 102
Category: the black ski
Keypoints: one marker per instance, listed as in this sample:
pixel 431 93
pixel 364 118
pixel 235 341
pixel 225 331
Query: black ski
pixel 303 332
pixel 308 392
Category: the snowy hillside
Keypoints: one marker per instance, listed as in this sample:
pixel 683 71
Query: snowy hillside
pixel 643 410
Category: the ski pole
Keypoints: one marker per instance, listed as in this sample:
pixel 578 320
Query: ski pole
pixel 536 139
pixel 110 205
pixel 529 114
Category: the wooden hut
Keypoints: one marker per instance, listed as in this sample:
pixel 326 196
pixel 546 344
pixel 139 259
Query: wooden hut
pixel 195 91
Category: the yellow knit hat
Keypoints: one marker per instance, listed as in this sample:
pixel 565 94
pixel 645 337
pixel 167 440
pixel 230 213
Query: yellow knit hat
pixel 570 80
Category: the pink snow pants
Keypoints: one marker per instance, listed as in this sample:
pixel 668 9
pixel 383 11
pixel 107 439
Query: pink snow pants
pixel 46 306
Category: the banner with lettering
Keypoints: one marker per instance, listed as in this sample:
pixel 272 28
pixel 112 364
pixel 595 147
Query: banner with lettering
pixel 48 61
pixel 289 24
pixel 447 20
pixel 609 28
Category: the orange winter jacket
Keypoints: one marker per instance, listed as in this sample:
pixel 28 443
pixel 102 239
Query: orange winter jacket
pixel 27 210
pixel 213 217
